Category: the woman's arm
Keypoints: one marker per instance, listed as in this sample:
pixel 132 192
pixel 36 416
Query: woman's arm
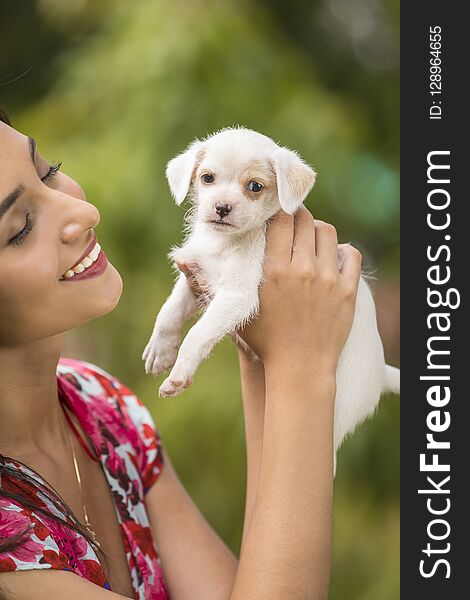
pixel 51 584
pixel 307 308
pixel 287 552
pixel 301 463
pixel 253 397
pixel 196 562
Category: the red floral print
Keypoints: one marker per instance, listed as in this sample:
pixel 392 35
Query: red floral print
pixel 57 560
pixel 124 436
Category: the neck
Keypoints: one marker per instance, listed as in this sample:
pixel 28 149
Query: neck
pixel 30 419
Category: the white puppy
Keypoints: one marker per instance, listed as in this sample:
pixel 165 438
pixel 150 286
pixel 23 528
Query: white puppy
pixel 239 179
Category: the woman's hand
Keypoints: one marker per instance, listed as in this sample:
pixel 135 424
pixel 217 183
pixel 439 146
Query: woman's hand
pixel 306 303
pixel 193 275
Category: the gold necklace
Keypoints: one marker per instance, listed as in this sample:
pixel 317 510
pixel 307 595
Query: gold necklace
pixel 77 473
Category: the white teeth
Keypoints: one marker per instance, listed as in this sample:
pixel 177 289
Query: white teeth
pixel 94 253
pixel 86 262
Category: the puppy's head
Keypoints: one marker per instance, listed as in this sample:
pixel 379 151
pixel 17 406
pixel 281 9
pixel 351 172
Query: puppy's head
pixel 239 178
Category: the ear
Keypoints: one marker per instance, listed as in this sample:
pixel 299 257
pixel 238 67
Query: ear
pixel 180 170
pixel 294 179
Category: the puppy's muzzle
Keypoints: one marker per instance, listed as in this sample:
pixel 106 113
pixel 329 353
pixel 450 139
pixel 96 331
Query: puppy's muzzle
pixel 222 209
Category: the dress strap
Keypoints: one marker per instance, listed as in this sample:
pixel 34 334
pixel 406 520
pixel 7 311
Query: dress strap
pixel 75 430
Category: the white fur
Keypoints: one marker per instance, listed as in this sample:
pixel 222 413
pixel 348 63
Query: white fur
pixel 231 261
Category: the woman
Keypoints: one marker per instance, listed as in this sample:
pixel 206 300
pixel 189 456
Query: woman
pixel 87 487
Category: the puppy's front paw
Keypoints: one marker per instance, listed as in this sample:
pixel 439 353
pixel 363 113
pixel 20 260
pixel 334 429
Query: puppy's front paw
pixel 160 354
pixel 172 387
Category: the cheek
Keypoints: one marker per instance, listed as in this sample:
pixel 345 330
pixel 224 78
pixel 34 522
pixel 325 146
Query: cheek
pixel 205 198
pixel 40 267
pixel 269 193
pixel 261 207
pixel 33 274
pixel 23 297
pixel 269 199
pixel 34 304
pixel 28 286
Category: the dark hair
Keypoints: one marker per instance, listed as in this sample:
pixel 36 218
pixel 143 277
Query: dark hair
pixel 4 117
pixel 19 481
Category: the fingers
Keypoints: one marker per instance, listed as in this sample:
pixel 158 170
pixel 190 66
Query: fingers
pixel 304 236
pixel 326 245
pixel 316 243
pixel 184 268
pixel 279 237
pixel 193 276
pixel 351 271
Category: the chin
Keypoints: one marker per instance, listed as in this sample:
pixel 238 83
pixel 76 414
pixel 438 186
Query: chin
pixel 116 285
pixel 111 287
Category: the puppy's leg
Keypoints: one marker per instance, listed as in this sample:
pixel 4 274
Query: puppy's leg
pixel 162 349
pixel 228 310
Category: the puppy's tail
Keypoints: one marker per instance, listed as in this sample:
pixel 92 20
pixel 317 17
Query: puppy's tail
pixel 392 379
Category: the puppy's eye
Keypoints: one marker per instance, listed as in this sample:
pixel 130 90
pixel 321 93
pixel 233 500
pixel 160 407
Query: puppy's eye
pixel 207 178
pixel 254 186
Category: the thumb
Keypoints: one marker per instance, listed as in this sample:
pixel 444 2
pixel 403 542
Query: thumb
pixel 183 267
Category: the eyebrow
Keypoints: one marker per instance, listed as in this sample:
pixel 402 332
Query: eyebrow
pixel 10 200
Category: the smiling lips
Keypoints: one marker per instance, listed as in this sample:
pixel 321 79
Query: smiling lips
pixel 93 262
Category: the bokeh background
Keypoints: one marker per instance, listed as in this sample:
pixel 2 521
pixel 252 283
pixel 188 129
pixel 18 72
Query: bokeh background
pixel 114 89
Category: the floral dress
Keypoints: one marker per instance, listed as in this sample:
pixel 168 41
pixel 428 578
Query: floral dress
pixel 124 436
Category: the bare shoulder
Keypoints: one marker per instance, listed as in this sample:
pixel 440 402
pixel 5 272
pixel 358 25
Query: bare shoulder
pixel 50 584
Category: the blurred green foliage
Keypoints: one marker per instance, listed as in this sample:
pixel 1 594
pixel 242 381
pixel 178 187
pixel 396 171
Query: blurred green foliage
pixel 115 89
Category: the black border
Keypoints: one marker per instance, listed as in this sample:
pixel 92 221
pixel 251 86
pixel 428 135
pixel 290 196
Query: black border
pixel 419 136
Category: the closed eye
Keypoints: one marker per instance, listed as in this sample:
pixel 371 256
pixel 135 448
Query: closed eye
pixel 29 224
pixel 19 237
pixel 53 170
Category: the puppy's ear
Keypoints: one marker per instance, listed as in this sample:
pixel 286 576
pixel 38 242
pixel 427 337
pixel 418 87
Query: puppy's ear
pixel 180 170
pixel 294 179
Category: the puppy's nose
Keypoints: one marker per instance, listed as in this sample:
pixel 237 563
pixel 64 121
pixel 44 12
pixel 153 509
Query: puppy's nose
pixel 222 209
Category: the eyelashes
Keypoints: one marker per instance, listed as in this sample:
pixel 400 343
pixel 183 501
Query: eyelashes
pixel 53 169
pixel 19 237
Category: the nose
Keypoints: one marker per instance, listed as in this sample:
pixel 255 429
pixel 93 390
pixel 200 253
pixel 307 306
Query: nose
pixel 222 209
pixel 78 217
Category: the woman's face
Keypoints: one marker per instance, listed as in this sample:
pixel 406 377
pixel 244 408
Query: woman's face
pixel 44 233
